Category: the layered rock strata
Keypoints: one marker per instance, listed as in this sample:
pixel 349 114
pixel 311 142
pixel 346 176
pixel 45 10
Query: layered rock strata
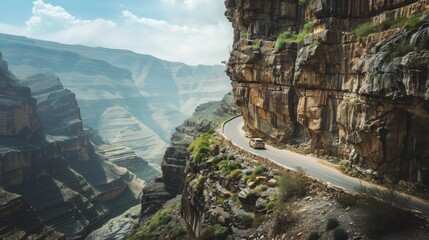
pixel 361 97
pixel 48 158
pixel 19 221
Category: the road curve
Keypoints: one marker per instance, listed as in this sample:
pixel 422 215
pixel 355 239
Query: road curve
pixel 233 130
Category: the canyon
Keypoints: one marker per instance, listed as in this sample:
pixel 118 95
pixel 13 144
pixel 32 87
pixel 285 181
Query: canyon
pixel 51 173
pixel 132 99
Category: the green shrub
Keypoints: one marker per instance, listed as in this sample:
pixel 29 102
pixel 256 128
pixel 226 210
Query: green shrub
pixel 248 172
pixel 227 166
pixel 398 50
pixel 340 234
pixel 256 48
pixel 220 200
pixel 302 2
pixel 215 232
pixel 230 156
pixel 281 40
pixel 291 185
pixel 368 28
pixel 243 34
pixel 271 205
pixel 313 44
pixel 200 147
pixel 200 183
pixel 314 236
pixel 332 224
pixel 263 187
pixel 260 169
pixel 215 160
pixel 235 173
pixel 355 101
pixel 247 220
pixel 413 23
pixel 288 36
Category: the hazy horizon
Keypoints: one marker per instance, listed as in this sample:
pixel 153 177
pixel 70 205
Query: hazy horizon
pixel 189 31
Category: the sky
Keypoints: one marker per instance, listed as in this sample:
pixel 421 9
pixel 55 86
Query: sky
pixel 189 31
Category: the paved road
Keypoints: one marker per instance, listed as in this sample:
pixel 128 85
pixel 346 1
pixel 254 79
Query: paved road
pixel 312 166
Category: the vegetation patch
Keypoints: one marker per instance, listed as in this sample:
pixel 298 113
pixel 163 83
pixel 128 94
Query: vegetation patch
pixel 156 227
pixel 283 219
pixel 413 24
pixel 246 220
pixel 398 50
pixel 256 48
pixel 200 147
pixel 288 36
pixel 291 185
pixel 368 28
pixel 215 232
pixel 302 2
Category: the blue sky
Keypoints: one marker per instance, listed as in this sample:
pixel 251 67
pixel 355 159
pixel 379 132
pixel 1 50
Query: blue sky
pixel 190 31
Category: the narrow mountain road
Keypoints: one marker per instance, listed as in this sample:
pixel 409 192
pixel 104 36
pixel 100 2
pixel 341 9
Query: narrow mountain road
pixel 312 166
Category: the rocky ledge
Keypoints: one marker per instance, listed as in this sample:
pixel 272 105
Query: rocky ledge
pixel 19 221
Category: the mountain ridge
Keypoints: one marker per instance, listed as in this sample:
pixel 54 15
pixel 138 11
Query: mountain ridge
pixel 158 94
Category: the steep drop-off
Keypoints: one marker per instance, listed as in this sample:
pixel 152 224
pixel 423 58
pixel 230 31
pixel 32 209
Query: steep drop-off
pixel 48 159
pixel 346 78
pixel 176 158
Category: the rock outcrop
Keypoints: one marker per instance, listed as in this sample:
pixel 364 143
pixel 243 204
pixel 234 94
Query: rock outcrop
pixel 325 84
pixel 176 158
pixel 19 221
pixel 48 159
pixel 122 156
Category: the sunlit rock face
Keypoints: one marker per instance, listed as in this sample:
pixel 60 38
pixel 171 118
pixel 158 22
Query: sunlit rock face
pixel 48 159
pixel 342 95
pixel 131 99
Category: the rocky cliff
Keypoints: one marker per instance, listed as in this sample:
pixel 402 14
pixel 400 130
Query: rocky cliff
pixel 206 117
pixel 345 78
pixel 48 159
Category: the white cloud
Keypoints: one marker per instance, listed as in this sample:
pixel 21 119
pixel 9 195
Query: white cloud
pixel 159 24
pixel 193 41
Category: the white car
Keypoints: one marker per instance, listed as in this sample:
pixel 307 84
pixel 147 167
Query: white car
pixel 257 143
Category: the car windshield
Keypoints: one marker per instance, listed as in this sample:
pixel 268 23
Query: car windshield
pixel 259 141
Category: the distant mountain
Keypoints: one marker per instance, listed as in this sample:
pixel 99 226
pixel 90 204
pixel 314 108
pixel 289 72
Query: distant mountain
pixel 132 99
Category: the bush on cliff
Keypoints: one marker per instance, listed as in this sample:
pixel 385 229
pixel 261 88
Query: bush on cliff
pixel 288 36
pixel 291 185
pixel 200 148
pixel 216 232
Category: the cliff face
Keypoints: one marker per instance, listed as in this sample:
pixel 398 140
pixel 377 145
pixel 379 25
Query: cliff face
pixel 176 158
pixel 361 96
pixel 48 159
